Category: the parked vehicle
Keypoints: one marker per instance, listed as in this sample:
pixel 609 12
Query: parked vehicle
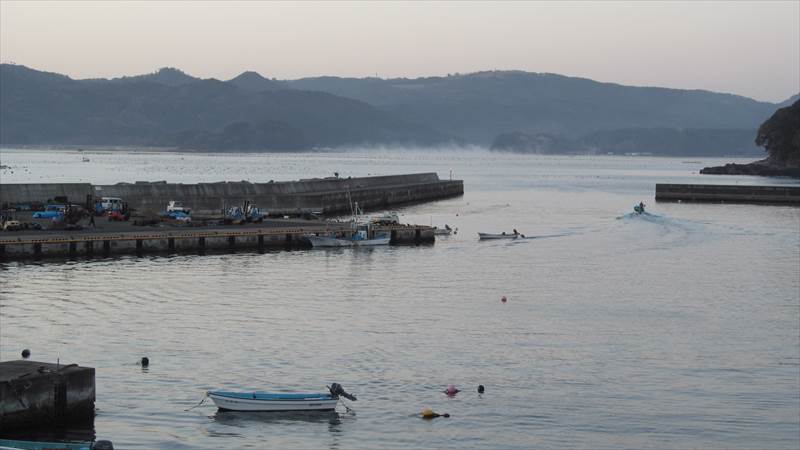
pixel 178 216
pixel 50 212
pixel 238 215
pixel 12 225
pixel 177 206
pixel 117 216
pixel 111 204
pixel 391 218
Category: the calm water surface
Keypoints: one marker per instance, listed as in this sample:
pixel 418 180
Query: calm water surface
pixel 676 329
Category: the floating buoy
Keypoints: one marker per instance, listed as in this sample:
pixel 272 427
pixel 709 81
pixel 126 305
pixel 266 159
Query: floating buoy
pixel 428 413
pixel 451 390
pixel 26 353
pixel 503 299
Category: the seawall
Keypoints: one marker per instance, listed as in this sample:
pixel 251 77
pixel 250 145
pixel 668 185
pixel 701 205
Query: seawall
pixel 728 193
pixel 325 195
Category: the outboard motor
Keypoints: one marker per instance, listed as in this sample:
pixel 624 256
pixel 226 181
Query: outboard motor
pixel 337 390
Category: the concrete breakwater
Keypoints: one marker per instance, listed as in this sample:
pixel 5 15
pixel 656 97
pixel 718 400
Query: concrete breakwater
pixel 325 195
pixel 148 240
pixel 728 193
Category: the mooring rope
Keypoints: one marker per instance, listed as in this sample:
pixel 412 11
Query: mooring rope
pixel 195 406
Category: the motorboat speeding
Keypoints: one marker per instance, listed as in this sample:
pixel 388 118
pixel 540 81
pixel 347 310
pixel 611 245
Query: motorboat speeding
pixel 513 235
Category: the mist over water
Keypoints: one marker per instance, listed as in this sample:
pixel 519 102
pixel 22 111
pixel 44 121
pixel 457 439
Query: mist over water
pixel 674 329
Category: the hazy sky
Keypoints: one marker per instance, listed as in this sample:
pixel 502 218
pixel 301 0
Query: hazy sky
pixel 746 48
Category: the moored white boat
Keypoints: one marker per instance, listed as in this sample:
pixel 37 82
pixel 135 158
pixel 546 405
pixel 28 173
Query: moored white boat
pixel 279 401
pixel 325 241
pixel 265 401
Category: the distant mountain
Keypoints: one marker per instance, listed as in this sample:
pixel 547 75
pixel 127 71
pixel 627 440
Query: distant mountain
pixel 168 76
pixel 511 110
pixel 169 108
pixel 480 106
pixel 789 101
pixel 252 81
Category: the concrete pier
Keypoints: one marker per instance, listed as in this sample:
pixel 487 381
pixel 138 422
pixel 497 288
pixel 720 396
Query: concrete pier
pixel 36 394
pixel 716 193
pixel 22 245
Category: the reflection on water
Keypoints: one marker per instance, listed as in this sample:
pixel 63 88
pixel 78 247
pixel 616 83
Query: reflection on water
pixel 75 432
pixel 242 419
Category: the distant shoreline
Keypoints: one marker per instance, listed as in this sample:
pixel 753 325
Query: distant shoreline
pixel 471 148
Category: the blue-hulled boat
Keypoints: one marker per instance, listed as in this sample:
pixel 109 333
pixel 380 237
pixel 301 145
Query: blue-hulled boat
pixel 11 444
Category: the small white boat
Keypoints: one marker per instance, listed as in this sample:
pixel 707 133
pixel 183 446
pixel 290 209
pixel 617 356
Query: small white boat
pixel 504 235
pixel 279 401
pixel 327 241
pixel 446 231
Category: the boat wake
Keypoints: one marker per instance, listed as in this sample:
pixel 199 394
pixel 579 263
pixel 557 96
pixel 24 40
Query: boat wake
pixel 643 216
pixel 541 236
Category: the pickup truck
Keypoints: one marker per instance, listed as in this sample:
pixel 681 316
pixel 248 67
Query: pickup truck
pixel 176 206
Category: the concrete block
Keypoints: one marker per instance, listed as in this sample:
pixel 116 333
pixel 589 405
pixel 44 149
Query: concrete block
pixel 33 394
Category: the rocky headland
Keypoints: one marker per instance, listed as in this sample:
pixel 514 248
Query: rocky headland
pixel 780 137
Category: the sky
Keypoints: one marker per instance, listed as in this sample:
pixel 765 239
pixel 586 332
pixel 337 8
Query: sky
pixel 739 47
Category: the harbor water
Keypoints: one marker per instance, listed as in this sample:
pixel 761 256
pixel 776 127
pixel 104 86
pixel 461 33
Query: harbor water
pixel 675 329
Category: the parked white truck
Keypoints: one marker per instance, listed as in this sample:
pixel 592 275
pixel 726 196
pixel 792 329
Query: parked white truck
pixel 177 206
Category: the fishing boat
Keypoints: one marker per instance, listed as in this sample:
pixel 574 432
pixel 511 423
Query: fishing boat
pixel 446 231
pixel 356 240
pixel 279 401
pixel 503 235
pixel 360 233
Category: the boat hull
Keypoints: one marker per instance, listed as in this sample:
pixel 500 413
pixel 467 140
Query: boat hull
pixel 35 445
pixel 484 236
pixel 321 241
pixel 227 401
